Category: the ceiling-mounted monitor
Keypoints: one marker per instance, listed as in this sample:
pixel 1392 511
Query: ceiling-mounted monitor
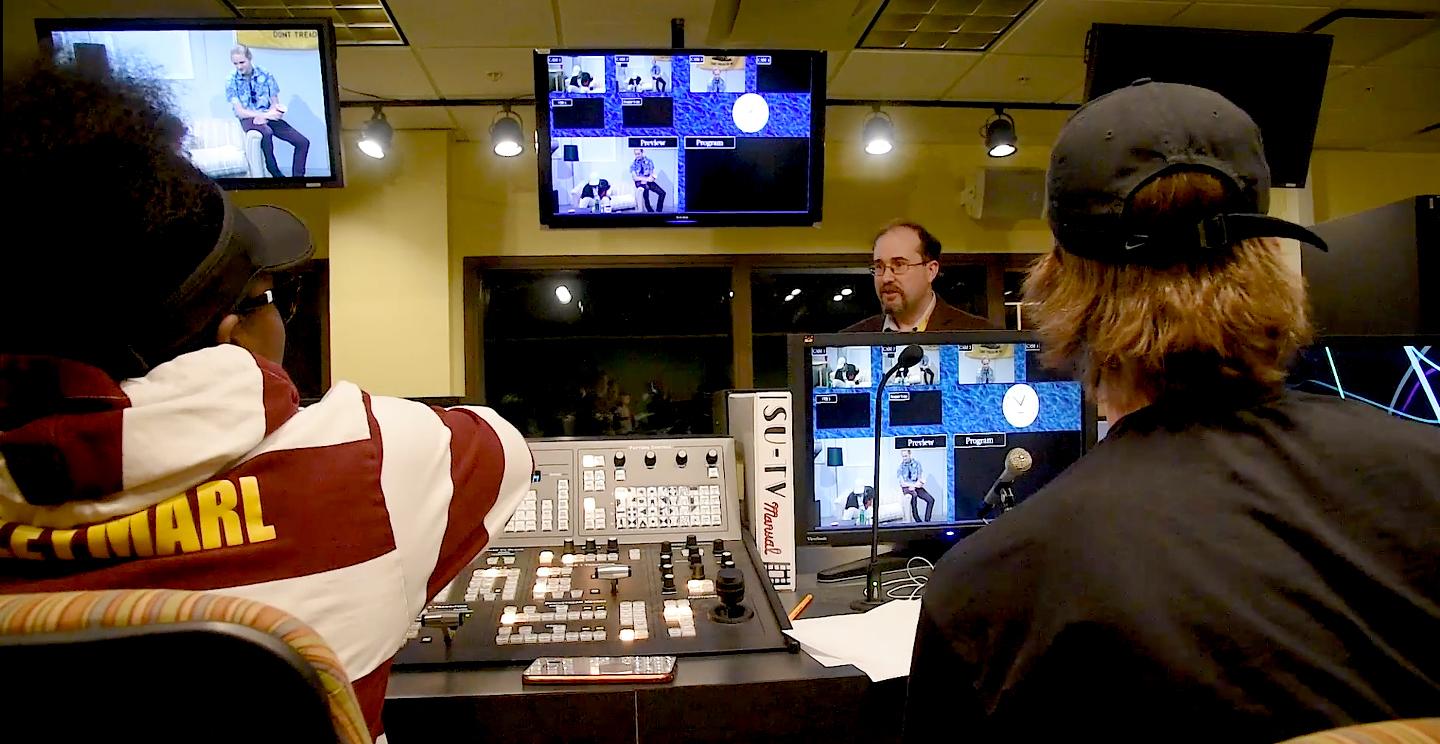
pixel 258 98
pixel 665 137
pixel 1277 78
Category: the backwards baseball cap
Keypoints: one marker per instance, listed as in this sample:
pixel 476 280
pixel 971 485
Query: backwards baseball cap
pixel 1118 143
pixel 252 241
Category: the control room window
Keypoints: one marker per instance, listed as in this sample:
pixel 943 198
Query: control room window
pixel 786 301
pixel 607 351
pixel 789 301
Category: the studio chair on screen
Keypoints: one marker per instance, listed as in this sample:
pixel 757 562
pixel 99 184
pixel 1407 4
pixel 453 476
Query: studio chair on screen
pixel 1412 731
pixel 169 666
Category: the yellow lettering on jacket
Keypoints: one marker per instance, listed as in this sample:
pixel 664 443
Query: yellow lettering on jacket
pixel 174 527
pixel 255 528
pixel 217 513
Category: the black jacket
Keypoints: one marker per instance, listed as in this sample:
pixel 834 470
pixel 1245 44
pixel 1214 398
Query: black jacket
pixel 1205 573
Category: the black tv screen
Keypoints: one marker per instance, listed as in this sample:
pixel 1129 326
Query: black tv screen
pixel 258 98
pixel 1277 78
pixel 633 138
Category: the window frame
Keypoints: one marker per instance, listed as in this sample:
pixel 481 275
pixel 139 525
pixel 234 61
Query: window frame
pixel 741 309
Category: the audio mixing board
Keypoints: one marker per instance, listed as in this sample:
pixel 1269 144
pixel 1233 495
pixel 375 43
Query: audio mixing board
pixel 621 547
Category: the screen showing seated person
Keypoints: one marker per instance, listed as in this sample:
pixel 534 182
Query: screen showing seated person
pixel 947 425
pixel 675 136
pixel 1398 376
pixel 252 101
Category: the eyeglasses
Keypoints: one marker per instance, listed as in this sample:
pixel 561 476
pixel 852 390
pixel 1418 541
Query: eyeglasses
pixel 285 297
pixel 896 267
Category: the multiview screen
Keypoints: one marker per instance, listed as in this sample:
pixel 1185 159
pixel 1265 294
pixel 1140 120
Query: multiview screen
pixel 679 137
pixel 257 99
pixel 947 426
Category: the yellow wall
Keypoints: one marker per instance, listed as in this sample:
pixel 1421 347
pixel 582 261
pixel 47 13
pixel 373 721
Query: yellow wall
pixel 493 209
pixel 398 233
pixel 1348 181
pixel 389 276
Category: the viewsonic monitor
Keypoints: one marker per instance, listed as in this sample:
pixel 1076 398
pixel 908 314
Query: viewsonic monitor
pixel 947 425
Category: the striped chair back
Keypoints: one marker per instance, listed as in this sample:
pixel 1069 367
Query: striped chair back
pixel 53 634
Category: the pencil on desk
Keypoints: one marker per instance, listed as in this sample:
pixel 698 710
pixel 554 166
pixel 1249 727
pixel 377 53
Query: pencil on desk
pixel 801 605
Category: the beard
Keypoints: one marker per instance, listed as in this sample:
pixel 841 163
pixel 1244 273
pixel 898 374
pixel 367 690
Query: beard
pixel 893 303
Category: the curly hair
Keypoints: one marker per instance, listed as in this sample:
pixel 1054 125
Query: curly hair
pixel 107 215
pixel 1194 327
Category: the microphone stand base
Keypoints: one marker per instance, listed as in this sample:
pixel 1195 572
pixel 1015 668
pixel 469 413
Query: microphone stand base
pixel 866 605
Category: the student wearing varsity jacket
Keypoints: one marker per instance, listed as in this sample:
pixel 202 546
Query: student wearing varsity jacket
pixel 150 438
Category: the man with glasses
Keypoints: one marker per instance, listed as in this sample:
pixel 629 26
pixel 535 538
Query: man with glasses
pixel 148 434
pixel 905 262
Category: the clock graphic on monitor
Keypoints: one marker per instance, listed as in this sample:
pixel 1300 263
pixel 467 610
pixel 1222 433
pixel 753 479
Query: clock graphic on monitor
pixel 1021 405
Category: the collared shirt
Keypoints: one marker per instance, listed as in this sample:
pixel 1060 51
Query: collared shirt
pixel 642 167
pixel 891 325
pixel 252 91
pixel 909 472
pixel 717 85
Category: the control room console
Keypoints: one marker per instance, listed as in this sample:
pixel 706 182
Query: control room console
pixel 621 547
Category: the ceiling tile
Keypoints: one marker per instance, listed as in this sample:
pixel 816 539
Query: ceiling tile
pixel 1385 89
pixel 142 8
pixel 1422 52
pixel 1365 128
pixel 493 23
pixel 1008 78
pixel 639 23
pixel 794 24
pixel 870 73
pixel 1428 142
pixel 1058 27
pixel 1360 40
pixel 467 72
pixel 392 72
pixel 1289 18
pixel 409 117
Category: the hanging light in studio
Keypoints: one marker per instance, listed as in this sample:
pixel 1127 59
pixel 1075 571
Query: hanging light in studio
pixel 1000 136
pixel 879 134
pixel 375 136
pixel 506 134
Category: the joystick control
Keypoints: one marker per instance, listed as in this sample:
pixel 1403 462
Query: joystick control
pixel 619 459
pixel 667 584
pixel 694 557
pixel 691 543
pixel 712 457
pixel 590 548
pixel 650 459
pixel 665 549
pixel 730 588
pixel 718 546
pixel 682 458
pixel 697 571
pixel 569 548
pixel 612 545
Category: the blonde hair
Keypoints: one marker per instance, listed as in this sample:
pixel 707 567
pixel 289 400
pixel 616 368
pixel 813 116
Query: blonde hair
pixel 1225 323
pixel 241 49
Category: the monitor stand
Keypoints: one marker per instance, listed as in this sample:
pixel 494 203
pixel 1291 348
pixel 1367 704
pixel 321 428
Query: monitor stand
pixel 895 559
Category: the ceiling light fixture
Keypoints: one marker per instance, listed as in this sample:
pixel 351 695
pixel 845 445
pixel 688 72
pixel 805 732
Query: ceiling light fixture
pixel 506 134
pixel 999 135
pixel 879 133
pixel 375 136
pixel 562 293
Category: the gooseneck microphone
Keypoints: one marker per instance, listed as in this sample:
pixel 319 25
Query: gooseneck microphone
pixel 1002 492
pixel 909 357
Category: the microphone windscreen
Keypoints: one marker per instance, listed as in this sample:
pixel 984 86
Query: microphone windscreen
pixel 910 356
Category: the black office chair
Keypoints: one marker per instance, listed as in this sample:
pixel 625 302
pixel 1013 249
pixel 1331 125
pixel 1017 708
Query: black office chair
pixel 85 669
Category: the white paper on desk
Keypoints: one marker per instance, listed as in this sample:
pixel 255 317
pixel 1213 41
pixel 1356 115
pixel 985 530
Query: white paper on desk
pixel 879 642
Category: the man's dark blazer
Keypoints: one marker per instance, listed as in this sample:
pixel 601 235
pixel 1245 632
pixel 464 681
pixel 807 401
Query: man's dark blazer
pixel 943 318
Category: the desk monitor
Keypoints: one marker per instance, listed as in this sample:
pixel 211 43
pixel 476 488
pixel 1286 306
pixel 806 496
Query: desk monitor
pixel 1396 374
pixel 947 425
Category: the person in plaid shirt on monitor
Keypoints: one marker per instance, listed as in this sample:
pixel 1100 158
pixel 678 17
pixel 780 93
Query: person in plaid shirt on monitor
pixel 255 96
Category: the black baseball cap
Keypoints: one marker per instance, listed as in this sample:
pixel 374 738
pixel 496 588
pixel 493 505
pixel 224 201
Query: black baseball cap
pixel 252 241
pixel 1118 143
